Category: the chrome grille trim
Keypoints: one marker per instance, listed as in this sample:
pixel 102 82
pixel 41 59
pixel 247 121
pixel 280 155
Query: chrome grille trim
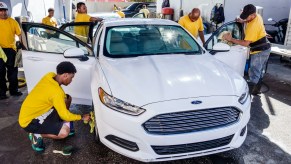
pixel 191 121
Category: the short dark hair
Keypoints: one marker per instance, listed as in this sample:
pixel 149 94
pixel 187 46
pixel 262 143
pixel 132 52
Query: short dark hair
pixel 79 4
pixel 247 11
pixel 50 9
pixel 66 67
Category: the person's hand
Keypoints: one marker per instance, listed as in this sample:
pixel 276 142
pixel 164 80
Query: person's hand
pixel 86 117
pixel 239 20
pixel 269 36
pixel 99 19
pixel 227 37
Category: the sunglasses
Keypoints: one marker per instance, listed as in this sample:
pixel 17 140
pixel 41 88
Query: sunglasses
pixel 3 9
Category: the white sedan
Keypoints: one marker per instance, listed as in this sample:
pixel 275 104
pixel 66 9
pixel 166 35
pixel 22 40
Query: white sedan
pixel 158 95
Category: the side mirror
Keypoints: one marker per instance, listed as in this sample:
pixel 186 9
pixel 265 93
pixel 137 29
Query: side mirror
pixel 270 19
pixel 75 53
pixel 221 47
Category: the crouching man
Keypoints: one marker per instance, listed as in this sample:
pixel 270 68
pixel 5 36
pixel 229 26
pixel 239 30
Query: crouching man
pixel 45 111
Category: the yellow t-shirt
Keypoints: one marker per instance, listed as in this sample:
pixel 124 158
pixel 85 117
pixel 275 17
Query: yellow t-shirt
pixel 8 29
pixel 192 27
pixel 45 95
pixel 82 30
pixel 145 11
pixel 50 21
pixel 255 30
pixel 121 14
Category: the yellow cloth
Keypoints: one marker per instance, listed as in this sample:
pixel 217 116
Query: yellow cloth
pixel 45 95
pixel 3 55
pixel 82 30
pixel 50 21
pixel 121 14
pixel 91 122
pixel 255 30
pixel 145 11
pixel 192 27
pixel 8 29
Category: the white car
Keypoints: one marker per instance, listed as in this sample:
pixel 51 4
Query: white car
pixel 158 95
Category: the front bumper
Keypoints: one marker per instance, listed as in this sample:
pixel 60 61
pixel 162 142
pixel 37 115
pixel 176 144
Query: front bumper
pixel 129 128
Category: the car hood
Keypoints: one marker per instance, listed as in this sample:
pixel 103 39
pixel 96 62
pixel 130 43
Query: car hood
pixel 147 79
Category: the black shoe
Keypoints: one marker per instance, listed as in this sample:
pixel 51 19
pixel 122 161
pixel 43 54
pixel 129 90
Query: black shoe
pixel 18 93
pixel 2 97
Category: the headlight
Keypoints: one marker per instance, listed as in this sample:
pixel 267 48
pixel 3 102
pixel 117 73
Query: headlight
pixel 243 98
pixel 119 105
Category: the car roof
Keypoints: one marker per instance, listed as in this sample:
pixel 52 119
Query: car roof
pixel 138 21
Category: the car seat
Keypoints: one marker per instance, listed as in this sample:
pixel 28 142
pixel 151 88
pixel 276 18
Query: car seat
pixel 117 45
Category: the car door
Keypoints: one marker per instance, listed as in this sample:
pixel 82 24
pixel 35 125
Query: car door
pixel 45 47
pixel 237 56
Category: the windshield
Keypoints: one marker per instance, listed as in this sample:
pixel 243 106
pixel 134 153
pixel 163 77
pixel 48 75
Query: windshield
pixel 142 40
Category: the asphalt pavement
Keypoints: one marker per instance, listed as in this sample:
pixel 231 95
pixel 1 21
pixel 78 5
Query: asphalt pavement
pixel 268 140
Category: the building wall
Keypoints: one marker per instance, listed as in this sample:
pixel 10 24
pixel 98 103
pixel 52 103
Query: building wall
pixel 277 9
pixel 39 8
pixel 94 7
pixel 187 5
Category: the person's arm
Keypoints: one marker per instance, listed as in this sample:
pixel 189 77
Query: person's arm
pixel 94 19
pixel 201 35
pixel 236 41
pixel 200 30
pixel 60 106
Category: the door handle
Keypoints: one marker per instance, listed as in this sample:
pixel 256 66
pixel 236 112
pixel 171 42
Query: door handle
pixel 34 58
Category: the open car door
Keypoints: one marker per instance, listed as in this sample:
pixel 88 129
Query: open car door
pixel 82 30
pixel 237 55
pixel 46 47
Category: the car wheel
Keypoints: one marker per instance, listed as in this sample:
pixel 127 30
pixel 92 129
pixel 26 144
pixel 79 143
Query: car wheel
pixel 96 134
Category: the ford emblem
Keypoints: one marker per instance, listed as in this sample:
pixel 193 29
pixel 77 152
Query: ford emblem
pixel 196 102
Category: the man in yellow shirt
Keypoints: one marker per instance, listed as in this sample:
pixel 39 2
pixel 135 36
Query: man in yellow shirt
pixel 45 111
pixel 8 29
pixel 193 23
pixel 255 38
pixel 145 11
pixel 50 20
pixel 82 16
pixel 120 13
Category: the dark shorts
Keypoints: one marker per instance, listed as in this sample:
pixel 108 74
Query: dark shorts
pixel 52 124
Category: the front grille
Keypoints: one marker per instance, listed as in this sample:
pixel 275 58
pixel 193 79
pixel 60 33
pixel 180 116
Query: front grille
pixel 192 147
pixel 191 121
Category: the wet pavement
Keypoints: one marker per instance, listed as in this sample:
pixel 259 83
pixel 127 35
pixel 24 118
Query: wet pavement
pixel 268 140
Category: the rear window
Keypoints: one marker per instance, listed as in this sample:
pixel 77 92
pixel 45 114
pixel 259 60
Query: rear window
pixel 143 40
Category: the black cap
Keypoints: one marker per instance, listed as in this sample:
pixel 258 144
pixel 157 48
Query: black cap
pixel 248 10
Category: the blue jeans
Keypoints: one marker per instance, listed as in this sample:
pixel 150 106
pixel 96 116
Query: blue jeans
pixel 258 65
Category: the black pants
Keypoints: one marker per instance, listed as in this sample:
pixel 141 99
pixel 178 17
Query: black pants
pixel 12 72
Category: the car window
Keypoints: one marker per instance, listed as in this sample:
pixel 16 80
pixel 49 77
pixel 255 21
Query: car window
pixel 79 31
pixel 139 15
pixel 138 7
pixel 232 28
pixel 44 40
pixel 141 40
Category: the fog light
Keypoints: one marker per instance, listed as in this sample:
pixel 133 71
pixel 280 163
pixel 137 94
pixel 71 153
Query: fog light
pixel 242 133
pixel 132 146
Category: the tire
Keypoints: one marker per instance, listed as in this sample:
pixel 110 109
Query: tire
pixel 96 134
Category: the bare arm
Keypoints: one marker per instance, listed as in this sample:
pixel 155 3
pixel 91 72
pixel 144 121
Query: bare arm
pixel 201 35
pixel 94 19
pixel 235 41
